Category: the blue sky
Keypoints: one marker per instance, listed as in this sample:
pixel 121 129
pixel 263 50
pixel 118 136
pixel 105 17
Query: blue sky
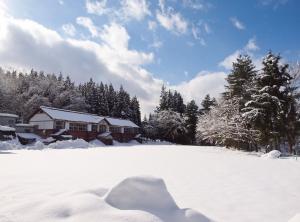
pixel 188 44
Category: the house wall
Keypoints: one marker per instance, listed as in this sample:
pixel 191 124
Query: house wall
pixel 24 129
pixel 43 121
pixel 7 121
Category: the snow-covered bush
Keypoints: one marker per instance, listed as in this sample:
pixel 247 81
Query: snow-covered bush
pixel 167 125
pixel 274 154
pixel 224 125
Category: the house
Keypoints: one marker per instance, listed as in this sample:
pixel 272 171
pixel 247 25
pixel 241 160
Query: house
pixel 49 121
pixel 8 119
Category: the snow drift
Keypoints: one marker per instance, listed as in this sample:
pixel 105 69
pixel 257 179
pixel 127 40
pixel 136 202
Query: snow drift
pixel 150 194
pixel 295 218
pixel 274 154
pixel 78 143
pixel 136 199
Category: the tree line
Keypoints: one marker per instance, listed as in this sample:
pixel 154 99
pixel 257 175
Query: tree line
pixel 259 110
pixel 23 93
pixel 173 120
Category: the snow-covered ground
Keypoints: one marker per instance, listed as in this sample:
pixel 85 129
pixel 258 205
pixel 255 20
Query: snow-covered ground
pixel 93 184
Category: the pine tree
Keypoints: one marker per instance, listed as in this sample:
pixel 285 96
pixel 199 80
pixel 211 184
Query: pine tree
pixel 135 111
pixel 121 108
pixel 191 120
pixel 207 103
pixel 267 109
pixel 240 80
pixel 102 102
pixel 111 99
pixel 163 102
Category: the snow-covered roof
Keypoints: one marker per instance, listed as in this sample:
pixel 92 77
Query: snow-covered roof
pixel 105 134
pixel 29 136
pixel 24 125
pixel 7 129
pixel 9 115
pixel 61 131
pixel 61 114
pixel 120 122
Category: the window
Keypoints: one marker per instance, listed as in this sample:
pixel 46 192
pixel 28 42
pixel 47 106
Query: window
pixel 114 129
pixel 59 125
pixel 11 122
pixel 128 130
pixel 94 128
pixel 131 130
pixel 78 127
pixel 102 128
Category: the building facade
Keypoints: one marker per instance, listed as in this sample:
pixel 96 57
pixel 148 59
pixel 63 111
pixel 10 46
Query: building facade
pixel 49 121
pixel 8 119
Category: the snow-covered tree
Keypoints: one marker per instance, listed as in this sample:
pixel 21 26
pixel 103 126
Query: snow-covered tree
pixel 166 125
pixel 271 102
pixel 240 80
pixel 208 103
pixel 224 125
pixel 191 114
pixel 135 112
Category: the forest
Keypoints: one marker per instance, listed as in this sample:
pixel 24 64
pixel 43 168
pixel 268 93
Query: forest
pixel 24 93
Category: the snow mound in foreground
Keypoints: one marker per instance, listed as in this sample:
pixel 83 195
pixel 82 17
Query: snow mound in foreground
pixel 295 218
pixel 274 154
pixel 141 193
pixel 150 194
pixel 78 143
pixel 135 199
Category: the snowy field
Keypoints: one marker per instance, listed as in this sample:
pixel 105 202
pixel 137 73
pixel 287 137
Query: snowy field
pixel 68 185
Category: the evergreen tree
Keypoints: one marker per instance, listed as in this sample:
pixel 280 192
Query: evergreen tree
pixel 207 103
pixel 240 80
pixel 191 120
pixel 135 111
pixel 111 99
pixel 268 107
pixel 121 108
pixel 102 101
pixel 163 102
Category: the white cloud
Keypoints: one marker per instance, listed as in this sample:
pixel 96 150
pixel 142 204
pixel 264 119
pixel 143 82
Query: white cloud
pixel 193 4
pixel 207 28
pixel 109 60
pixel 252 45
pixel 152 25
pixel 274 3
pixel 97 7
pixel 88 24
pixel 204 83
pixel 135 9
pixel 69 29
pixel 248 49
pixel 129 10
pixel 61 2
pixel 156 44
pixel 227 62
pixel 238 24
pixel 172 21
